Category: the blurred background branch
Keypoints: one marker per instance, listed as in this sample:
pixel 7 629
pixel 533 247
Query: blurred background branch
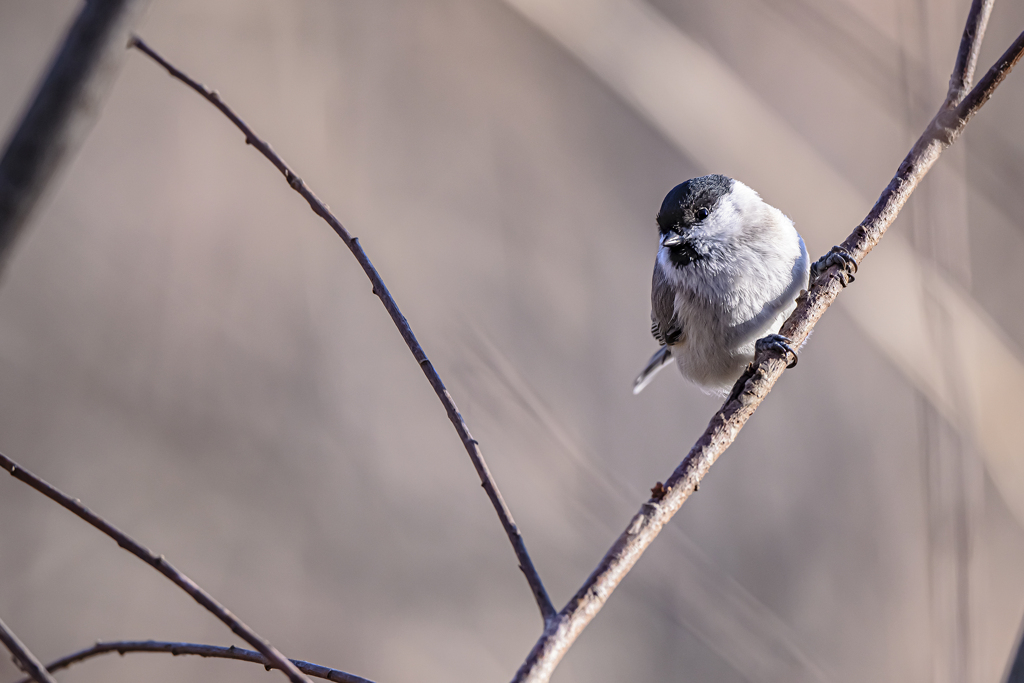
pixel 66 104
pixel 1015 667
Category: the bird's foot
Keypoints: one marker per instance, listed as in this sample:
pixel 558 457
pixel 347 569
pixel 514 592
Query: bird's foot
pixel 836 256
pixel 776 343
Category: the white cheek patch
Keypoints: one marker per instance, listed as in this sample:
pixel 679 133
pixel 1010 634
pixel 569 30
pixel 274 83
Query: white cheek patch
pixel 668 268
pixel 727 220
pixel 725 217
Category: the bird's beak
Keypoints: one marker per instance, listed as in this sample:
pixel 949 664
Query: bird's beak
pixel 672 240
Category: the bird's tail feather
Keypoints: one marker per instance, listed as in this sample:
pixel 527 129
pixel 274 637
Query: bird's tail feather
pixel 660 359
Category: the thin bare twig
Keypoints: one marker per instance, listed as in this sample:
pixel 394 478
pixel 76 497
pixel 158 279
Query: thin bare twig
pixel 752 388
pixel 124 646
pixel 63 110
pixel 23 657
pixel 160 564
pixel 540 594
pixel 970 47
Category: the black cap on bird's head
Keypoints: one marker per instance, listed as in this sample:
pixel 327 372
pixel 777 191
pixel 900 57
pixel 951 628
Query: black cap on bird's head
pixel 686 205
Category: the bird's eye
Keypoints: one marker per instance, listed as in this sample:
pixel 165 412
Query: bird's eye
pixel 702 213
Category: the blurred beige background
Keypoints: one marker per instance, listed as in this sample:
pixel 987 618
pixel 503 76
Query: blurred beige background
pixel 189 350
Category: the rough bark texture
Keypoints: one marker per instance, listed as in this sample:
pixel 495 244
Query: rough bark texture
pixel 970 48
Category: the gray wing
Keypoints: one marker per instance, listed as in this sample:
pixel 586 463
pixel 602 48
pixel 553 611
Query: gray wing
pixel 664 325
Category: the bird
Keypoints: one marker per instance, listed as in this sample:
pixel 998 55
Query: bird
pixel 728 272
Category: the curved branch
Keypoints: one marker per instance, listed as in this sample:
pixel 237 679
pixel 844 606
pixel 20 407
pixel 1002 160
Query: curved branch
pixel 160 564
pixel 124 646
pixel 23 657
pixel 472 446
pixel 752 388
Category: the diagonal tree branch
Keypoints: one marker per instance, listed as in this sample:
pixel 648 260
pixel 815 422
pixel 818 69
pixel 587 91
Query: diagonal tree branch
pixel 64 109
pixel 161 565
pixel 124 646
pixel 25 660
pixel 752 388
pixel 472 446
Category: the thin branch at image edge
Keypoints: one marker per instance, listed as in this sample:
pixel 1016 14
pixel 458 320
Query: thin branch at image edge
pixel 161 565
pixel 471 445
pixel 123 647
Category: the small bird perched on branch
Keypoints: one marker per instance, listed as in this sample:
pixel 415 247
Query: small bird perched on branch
pixel 727 275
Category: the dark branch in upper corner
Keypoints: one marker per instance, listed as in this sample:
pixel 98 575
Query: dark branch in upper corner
pixel 125 646
pixel 753 387
pixel 63 110
pixel 471 445
pixel 1015 667
pixel 23 657
pixel 161 565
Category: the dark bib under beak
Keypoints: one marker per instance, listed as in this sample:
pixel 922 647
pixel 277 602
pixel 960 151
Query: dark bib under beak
pixel 680 251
